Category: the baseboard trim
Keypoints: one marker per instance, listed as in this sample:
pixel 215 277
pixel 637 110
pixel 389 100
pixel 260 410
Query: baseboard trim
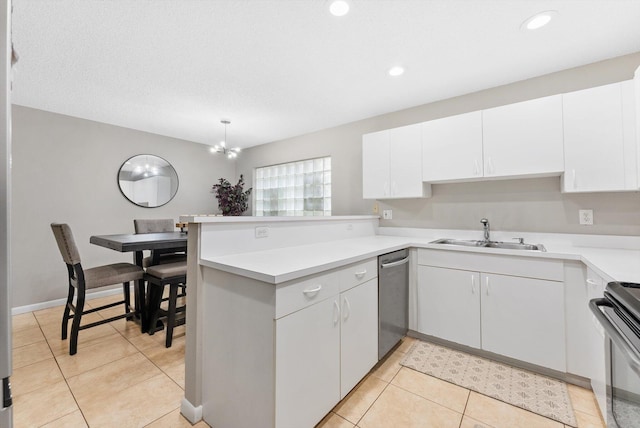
pixel 59 302
pixel 189 411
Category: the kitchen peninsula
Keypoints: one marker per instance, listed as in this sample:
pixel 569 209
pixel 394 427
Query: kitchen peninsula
pixel 259 287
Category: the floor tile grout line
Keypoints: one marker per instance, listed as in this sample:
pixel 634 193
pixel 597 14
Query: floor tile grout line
pixel 374 402
pixel 64 378
pixel 149 359
pixel 157 419
pixel 466 404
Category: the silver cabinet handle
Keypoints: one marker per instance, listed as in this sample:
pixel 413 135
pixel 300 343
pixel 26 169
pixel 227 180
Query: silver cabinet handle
pixel 486 281
pixel 346 313
pixel 473 284
pixel 392 264
pixel 591 281
pixel 312 290
pixel 361 273
pixel 489 166
pixel 336 312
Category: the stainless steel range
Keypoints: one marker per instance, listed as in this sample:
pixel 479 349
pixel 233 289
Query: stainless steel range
pixel 619 314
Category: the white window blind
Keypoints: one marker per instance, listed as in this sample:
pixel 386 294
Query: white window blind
pixel 294 189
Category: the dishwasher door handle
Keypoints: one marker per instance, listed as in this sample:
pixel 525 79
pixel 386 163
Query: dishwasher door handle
pixel 393 264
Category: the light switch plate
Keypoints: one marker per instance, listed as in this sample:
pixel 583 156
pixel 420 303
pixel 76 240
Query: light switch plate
pixel 262 232
pixel 586 217
pixel 387 214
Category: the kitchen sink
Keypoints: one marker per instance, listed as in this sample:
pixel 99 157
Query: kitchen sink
pixel 491 244
pixel 460 242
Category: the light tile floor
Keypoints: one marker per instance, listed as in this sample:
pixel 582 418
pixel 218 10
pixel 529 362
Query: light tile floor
pixel 121 377
pixel 395 396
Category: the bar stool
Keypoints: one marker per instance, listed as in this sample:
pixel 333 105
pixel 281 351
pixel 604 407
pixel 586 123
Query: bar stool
pixel 84 279
pixel 156 226
pixel 157 276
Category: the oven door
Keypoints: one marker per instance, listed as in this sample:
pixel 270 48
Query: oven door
pixel 623 365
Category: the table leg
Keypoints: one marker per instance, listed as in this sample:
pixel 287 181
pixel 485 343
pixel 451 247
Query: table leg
pixel 140 296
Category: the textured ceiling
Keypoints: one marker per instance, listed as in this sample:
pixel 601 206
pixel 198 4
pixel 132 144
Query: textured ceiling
pixel 281 68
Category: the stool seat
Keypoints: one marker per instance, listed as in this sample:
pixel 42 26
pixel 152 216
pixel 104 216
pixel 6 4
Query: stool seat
pixel 112 274
pixel 164 259
pixel 168 270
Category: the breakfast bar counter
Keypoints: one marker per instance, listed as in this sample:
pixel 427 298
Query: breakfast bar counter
pixel 232 262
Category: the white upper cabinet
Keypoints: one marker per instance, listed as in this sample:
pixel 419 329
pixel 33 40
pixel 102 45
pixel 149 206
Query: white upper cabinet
pixel 375 165
pixel 523 139
pixel 589 137
pixel 392 164
pixel 452 148
pixel 599 139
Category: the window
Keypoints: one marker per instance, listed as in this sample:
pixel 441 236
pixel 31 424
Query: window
pixel 295 188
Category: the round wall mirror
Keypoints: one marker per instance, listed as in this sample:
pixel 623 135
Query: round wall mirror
pixel 148 180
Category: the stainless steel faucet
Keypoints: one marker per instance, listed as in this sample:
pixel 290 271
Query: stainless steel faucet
pixel 485 223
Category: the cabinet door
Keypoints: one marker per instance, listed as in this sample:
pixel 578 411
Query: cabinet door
pixel 523 318
pixel 593 140
pixel 375 165
pixel 307 364
pixel 452 148
pixel 405 162
pixel 523 138
pixel 449 304
pixel 595 354
pixel 359 334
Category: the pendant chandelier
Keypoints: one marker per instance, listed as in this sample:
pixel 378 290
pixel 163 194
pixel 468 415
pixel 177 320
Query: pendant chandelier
pixel 222 147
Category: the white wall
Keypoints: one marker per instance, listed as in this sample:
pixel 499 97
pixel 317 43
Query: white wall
pixel 65 170
pixel 532 205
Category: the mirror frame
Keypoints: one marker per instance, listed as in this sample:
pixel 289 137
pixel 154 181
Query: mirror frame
pixel 173 195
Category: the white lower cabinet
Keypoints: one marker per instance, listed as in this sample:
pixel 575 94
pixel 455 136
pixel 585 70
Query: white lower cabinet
pixel 449 304
pixel 308 353
pixel 322 352
pixel 282 356
pixel 595 353
pixel 523 318
pixel 515 316
pixel 358 334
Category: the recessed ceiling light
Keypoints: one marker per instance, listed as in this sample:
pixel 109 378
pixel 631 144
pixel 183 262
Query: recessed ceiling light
pixel 396 71
pixel 339 8
pixel 538 20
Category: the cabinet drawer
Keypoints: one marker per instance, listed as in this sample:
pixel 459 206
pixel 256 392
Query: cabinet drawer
pixel 295 295
pixel 358 273
pixel 529 267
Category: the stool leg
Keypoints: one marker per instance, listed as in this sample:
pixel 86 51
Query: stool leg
pixel 126 288
pixel 75 325
pixel 171 318
pixel 67 309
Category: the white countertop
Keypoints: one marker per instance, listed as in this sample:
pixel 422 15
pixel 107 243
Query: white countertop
pixel 290 263
pixel 216 218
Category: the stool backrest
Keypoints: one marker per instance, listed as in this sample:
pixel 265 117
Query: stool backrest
pixel 153 225
pixel 66 243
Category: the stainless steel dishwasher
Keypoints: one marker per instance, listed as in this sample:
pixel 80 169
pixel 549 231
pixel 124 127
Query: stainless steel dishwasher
pixel 393 299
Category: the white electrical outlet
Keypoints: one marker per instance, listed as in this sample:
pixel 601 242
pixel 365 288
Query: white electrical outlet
pixel 586 217
pixel 387 214
pixel 262 232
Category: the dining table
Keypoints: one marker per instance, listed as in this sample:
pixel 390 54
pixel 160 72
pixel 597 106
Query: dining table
pixel 137 243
